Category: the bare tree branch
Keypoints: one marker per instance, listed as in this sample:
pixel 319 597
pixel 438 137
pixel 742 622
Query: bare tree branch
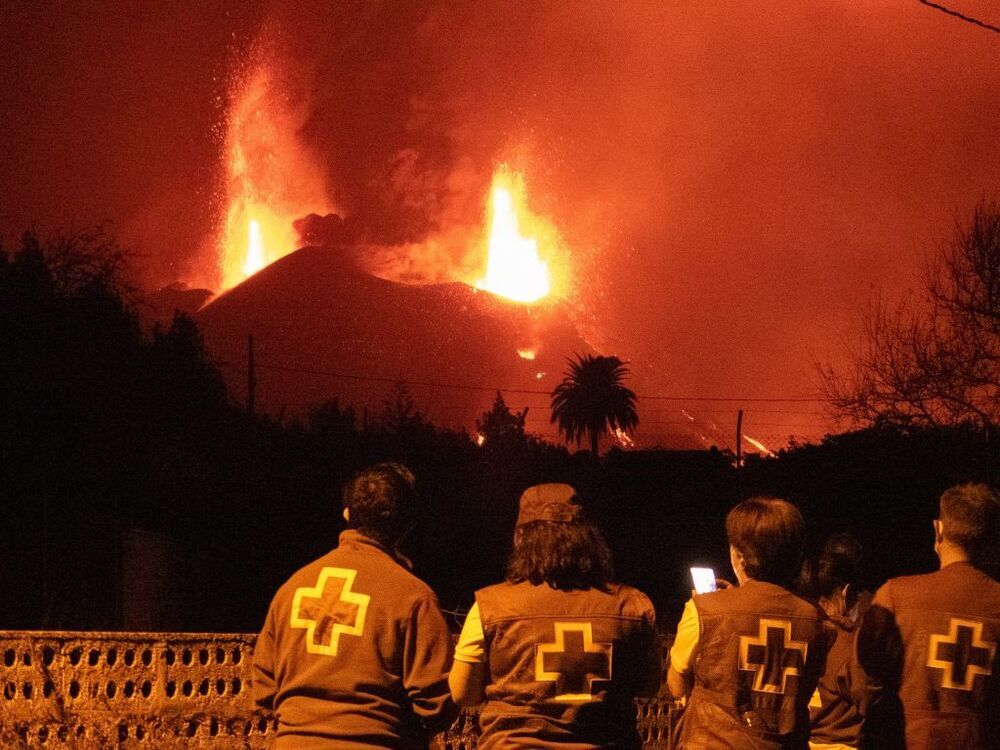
pixel 933 361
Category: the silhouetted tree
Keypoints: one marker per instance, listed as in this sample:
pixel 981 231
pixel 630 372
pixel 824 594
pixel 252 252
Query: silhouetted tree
pixel 331 417
pixel 102 428
pixel 182 375
pixel 591 399
pixel 500 426
pixel 935 360
pixel 400 415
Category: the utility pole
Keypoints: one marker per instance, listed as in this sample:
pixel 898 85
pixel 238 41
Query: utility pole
pixel 739 438
pixel 251 377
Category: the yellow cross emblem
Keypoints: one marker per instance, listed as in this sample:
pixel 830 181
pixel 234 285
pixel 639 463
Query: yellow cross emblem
pixel 329 609
pixel 574 662
pixel 961 655
pixel 772 656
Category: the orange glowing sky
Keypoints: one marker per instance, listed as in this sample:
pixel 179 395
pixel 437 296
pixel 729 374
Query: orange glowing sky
pixel 733 180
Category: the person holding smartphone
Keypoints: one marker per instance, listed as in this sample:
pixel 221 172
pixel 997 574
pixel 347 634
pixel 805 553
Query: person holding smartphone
pixel 557 652
pixel 747 658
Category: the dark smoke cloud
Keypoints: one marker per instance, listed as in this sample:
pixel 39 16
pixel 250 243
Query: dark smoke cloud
pixel 733 178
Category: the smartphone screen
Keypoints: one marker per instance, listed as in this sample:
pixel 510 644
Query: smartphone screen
pixel 704 580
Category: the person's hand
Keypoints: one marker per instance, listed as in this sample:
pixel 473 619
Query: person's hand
pixel 720 585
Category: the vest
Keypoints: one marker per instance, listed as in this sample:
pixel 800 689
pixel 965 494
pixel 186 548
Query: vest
pixel 835 710
pixel 949 686
pixel 760 653
pixel 564 666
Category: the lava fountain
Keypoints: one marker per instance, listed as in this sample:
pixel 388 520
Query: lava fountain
pixel 255 249
pixel 514 268
pixel 271 178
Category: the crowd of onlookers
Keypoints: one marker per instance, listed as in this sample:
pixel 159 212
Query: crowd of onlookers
pixel 355 652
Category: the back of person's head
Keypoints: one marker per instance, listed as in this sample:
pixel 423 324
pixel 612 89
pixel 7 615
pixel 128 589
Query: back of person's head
pixel 769 533
pixel 970 517
pixel 555 544
pixel 837 567
pixel 381 501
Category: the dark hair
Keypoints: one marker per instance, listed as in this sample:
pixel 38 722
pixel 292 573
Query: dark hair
pixel 566 556
pixel 839 565
pixel 971 513
pixel 769 533
pixel 382 501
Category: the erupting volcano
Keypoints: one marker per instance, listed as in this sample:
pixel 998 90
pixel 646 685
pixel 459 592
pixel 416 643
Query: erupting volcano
pixel 271 178
pixel 513 267
pixel 484 311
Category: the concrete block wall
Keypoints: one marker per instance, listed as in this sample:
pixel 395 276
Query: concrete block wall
pixel 140 691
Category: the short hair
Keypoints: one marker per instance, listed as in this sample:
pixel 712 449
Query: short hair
pixel 770 534
pixel 381 501
pixel 565 555
pixel 971 513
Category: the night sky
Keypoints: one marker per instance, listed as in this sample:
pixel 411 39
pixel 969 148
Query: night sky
pixel 734 180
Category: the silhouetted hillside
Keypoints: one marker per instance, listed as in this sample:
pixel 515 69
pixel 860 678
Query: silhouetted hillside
pixel 313 312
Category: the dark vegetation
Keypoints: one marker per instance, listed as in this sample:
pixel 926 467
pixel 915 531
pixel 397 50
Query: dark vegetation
pixel 136 494
pixel 933 359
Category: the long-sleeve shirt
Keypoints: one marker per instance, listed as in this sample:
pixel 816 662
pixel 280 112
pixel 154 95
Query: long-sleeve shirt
pixel 354 652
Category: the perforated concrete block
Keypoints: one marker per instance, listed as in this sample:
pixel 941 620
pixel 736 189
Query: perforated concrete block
pixel 168 691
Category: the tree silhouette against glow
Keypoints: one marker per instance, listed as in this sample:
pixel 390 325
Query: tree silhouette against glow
pixel 933 360
pixel 591 400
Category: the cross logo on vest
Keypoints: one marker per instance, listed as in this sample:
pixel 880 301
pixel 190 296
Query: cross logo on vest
pixel 772 656
pixel 574 662
pixel 329 610
pixel 961 655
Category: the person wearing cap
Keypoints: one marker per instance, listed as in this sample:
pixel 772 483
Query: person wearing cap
pixel 747 658
pixel 354 651
pixel 929 643
pixel 557 652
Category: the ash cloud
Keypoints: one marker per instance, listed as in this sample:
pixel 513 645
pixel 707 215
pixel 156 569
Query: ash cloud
pixel 733 179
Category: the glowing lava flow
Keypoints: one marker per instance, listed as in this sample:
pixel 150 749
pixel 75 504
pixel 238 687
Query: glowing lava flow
pixel 513 267
pixel 623 439
pixel 764 450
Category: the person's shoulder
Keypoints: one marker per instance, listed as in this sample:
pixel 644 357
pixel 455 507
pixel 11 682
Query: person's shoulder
pixel 403 582
pixel 719 598
pixel 501 588
pixel 504 598
pixel 917 583
pixel 633 601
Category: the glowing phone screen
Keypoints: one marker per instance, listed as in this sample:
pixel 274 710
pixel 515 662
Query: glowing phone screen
pixel 704 580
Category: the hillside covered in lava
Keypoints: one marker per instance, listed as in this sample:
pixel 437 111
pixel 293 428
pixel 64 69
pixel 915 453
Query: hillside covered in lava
pixel 323 329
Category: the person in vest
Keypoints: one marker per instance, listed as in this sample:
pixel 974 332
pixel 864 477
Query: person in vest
pixel 835 710
pixel 747 658
pixel 557 652
pixel 354 651
pixel 929 642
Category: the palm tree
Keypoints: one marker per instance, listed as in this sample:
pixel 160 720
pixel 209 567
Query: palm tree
pixel 592 400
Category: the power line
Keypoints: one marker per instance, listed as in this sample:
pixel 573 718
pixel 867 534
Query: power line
pixel 523 391
pixel 962 16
